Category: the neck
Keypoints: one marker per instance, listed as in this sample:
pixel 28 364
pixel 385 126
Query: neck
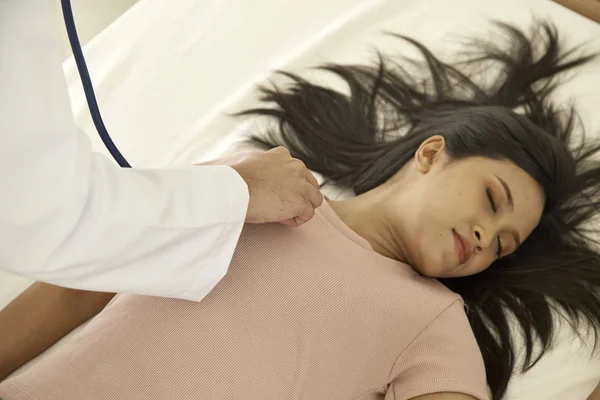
pixel 365 215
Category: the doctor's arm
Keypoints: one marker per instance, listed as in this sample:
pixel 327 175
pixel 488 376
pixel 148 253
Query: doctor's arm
pixel 70 217
pixel 39 317
pixel 595 395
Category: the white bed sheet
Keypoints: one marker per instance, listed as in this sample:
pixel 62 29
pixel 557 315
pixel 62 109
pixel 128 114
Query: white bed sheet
pixel 167 71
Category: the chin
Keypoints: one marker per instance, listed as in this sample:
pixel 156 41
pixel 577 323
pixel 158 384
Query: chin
pixel 432 267
pixel 427 269
pixel 428 263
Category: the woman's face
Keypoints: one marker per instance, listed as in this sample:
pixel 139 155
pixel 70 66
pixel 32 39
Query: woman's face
pixel 457 217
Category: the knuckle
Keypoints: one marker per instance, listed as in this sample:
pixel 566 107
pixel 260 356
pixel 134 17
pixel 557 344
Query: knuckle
pixel 273 152
pixel 298 165
pixel 301 199
pixel 281 150
pixel 319 198
pixel 308 214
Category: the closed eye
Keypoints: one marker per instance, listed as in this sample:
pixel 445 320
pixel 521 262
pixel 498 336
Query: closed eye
pixel 488 192
pixel 499 251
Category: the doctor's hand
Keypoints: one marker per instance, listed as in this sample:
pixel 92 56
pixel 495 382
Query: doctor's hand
pixel 281 188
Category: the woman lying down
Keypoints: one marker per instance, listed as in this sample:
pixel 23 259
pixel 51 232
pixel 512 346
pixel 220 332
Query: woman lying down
pixel 402 292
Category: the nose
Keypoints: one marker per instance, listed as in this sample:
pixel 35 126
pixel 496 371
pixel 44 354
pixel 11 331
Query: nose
pixel 483 238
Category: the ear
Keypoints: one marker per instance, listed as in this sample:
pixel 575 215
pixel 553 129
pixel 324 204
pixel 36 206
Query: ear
pixel 431 151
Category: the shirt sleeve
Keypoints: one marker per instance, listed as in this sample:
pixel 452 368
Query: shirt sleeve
pixel 445 357
pixel 71 217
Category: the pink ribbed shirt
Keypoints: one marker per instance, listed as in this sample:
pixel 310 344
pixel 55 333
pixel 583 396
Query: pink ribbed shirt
pixel 309 313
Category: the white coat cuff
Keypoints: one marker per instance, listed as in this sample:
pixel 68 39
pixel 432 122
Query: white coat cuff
pixel 238 198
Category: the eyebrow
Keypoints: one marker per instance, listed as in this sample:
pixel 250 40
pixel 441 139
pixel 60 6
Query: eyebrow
pixel 511 205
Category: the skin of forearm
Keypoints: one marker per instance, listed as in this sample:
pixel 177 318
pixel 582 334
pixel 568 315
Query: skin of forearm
pixel 595 394
pixel 41 316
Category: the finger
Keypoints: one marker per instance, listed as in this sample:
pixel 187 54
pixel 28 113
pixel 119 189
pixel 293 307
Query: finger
pixel 305 216
pixel 280 150
pixel 288 222
pixel 311 179
pixel 314 196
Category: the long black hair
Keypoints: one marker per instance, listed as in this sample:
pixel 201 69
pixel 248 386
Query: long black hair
pixel 361 137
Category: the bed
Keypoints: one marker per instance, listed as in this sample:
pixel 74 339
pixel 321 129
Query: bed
pixel 167 72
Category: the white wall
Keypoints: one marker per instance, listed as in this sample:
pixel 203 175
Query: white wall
pixel 91 17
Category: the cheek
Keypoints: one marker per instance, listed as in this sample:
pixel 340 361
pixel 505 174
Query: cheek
pixel 433 253
pixel 449 200
pixel 528 220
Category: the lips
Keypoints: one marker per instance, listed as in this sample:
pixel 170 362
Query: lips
pixel 463 247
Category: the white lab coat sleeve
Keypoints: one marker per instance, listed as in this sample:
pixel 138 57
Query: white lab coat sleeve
pixel 71 217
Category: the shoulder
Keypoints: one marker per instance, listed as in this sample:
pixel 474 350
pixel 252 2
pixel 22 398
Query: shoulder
pixel 444 357
pixel 441 299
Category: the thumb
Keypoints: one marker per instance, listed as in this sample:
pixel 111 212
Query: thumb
pixel 289 222
pixel 306 215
